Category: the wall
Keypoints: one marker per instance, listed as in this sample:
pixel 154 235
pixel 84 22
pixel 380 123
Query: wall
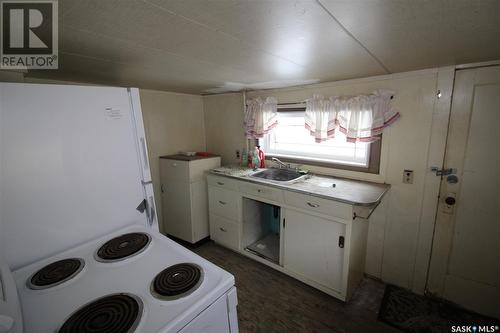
pixel 173 122
pixel 224 125
pixel 393 241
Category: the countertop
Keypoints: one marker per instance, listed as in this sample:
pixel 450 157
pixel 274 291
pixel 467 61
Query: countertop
pixel 353 192
pixel 179 157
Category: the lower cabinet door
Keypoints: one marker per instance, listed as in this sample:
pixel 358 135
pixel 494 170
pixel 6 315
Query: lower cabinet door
pixel 312 249
pixel 224 231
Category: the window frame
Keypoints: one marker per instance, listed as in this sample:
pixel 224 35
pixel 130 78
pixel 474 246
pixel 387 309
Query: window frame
pixel 373 161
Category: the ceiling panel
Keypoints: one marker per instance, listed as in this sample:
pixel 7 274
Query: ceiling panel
pixel 202 46
pixel 407 35
pixel 299 31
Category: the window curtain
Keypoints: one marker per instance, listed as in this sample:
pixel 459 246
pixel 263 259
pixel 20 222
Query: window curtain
pixel 361 118
pixel 260 116
pixel 320 118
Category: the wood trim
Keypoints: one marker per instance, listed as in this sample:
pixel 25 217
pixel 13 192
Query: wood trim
pixel 373 164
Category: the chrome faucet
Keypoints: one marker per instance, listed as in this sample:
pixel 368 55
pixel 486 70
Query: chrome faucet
pixel 281 164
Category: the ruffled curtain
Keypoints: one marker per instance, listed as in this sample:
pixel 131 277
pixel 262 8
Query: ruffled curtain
pixel 260 117
pixel 320 118
pixel 361 118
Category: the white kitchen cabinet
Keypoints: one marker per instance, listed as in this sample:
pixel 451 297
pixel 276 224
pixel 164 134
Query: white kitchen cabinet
pixel 184 195
pixel 224 231
pixel 224 203
pixel 322 242
pixel 314 248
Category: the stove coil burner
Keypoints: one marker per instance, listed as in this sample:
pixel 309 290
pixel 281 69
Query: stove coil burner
pixel 56 273
pixel 176 281
pixel 118 313
pixel 122 247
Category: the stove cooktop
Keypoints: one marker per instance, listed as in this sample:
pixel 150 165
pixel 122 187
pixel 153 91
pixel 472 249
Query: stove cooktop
pixel 185 285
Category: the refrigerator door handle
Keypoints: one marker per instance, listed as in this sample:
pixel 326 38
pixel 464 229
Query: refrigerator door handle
pixel 151 215
pixel 144 153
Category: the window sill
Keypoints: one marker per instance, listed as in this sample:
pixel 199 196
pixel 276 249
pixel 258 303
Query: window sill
pixel 326 164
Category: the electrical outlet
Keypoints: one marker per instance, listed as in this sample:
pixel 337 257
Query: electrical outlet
pixel 408 176
pixel 237 154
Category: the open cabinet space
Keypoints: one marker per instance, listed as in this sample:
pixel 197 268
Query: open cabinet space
pixel 262 230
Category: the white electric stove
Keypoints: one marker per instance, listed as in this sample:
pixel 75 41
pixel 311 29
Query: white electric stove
pixel 47 305
pixel 80 249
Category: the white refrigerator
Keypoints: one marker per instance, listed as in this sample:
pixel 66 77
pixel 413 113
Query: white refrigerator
pixel 73 166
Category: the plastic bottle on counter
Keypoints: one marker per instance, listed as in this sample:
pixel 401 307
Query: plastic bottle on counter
pixel 256 159
pixel 262 158
pixel 249 159
pixel 244 157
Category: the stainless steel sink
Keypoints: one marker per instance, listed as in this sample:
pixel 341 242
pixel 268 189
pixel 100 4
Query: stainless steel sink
pixel 279 175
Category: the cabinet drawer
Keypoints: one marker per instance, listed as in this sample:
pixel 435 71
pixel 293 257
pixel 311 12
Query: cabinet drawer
pixel 262 191
pixel 319 205
pixel 223 202
pixel 224 231
pixel 222 182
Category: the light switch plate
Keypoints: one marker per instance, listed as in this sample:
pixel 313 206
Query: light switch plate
pixel 408 176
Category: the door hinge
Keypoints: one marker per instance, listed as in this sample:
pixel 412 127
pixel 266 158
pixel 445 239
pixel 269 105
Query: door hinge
pixel 443 172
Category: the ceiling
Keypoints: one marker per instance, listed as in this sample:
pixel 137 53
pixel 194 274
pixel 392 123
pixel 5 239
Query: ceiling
pixel 211 46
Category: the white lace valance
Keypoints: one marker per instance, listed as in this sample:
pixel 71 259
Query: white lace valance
pixel 260 116
pixel 360 118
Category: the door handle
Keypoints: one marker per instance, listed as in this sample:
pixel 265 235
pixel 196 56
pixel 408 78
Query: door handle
pixel 313 205
pixel 222 229
pixel 222 202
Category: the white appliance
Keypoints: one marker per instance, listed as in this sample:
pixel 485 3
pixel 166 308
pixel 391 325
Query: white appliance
pixel 75 178
pixel 184 195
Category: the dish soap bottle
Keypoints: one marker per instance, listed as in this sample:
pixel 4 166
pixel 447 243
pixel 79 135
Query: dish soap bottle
pixel 255 158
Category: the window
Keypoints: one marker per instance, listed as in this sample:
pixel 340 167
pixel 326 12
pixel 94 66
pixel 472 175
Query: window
pixel 291 141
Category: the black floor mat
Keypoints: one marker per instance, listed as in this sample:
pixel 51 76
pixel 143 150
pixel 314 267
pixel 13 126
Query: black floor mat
pixel 419 314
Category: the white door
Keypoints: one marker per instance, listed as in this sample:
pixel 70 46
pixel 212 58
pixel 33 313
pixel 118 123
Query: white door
pixel 312 248
pixel 465 264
